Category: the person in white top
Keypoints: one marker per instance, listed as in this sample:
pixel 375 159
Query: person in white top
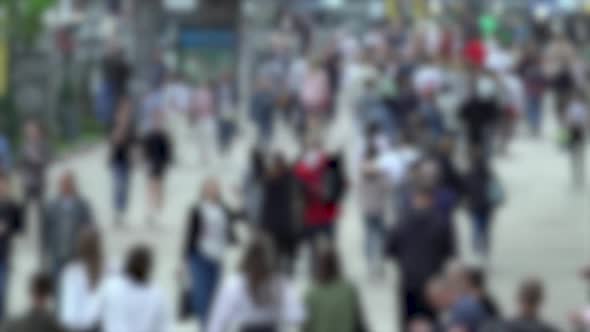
pixel 79 281
pixel 257 298
pixel 129 302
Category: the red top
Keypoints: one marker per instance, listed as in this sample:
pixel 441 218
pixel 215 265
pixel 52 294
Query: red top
pixel 316 211
pixel 475 52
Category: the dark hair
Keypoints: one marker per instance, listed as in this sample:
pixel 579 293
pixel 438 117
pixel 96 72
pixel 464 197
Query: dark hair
pixel 531 292
pixel 139 264
pixel 90 253
pixel 258 265
pixel 328 266
pixel 41 286
pixel 476 278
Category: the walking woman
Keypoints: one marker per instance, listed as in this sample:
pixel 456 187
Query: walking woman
pixel 576 123
pixel 208 233
pixel 80 280
pixel 121 157
pixel 257 298
pixel 34 162
pixel 130 301
pixel 333 303
pixel 279 210
pixel 483 194
pixel 158 155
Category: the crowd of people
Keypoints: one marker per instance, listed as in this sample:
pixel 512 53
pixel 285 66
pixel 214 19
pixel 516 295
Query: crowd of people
pixel 431 104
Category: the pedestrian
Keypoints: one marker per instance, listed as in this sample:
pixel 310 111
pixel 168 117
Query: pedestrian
pixel 253 186
pixel 530 300
pixel 116 74
pixel 40 318
pixel 203 113
pixel 262 109
pixel 81 278
pixel 374 193
pixel 316 94
pixel 480 113
pixel 333 303
pixel 34 161
pixel 158 154
pixel 227 104
pixel 421 244
pixel 130 301
pixel 122 141
pixel 279 213
pixel 319 214
pixel 257 298
pixel 455 309
pixel 576 122
pixel 476 281
pixel 208 234
pixel 531 72
pixel 6 157
pixel 64 218
pixel 10 225
pixel 483 194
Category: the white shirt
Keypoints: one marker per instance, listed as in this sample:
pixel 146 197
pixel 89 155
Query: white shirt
pixel 395 164
pixel 234 307
pixel 214 225
pixel 121 305
pixel 76 295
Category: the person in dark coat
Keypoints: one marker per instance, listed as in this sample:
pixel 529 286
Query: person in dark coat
pixel 158 155
pixel 479 114
pixel 278 209
pixel 39 318
pixel 64 219
pixel 121 157
pixel 10 226
pixel 209 231
pixel 478 188
pixel 421 243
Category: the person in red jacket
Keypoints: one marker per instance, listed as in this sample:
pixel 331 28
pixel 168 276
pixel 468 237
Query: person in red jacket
pixel 319 210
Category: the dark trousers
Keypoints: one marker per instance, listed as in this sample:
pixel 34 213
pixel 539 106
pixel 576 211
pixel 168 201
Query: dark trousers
pixel 4 271
pixel 121 177
pixel 413 305
pixel 314 235
pixel 481 231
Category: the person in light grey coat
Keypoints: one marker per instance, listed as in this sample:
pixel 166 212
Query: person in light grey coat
pixel 64 218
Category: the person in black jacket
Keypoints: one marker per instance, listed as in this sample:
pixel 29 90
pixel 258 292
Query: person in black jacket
pixel 10 225
pixel 208 233
pixel 479 114
pixel 158 155
pixel 278 209
pixel 421 243
pixel 122 140
pixel 478 188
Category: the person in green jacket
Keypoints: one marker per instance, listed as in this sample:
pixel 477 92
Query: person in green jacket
pixel 333 303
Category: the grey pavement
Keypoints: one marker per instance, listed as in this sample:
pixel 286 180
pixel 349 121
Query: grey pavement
pixel 544 229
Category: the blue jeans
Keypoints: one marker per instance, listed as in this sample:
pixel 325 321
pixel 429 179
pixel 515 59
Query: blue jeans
pixel 3 287
pixel 481 231
pixel 374 237
pixel 226 133
pixel 205 274
pixel 534 114
pixel 121 177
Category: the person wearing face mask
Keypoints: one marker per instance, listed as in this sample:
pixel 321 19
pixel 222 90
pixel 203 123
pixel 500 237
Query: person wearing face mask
pixel 421 243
